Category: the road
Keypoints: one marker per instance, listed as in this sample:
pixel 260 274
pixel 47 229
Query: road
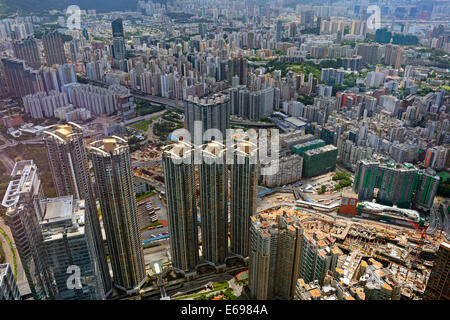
pixel 142 118
pixel 255 124
pixel 7 162
pixel 194 285
pixel 141 95
pixel 7 250
pixel 161 100
pixel 21 280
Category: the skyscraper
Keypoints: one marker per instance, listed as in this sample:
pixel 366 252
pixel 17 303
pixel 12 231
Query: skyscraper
pixel 178 166
pixel 438 286
pixel 70 171
pixel 370 53
pixel 28 51
pixel 54 48
pixel 214 203
pixel 393 55
pixel 307 18
pixel 8 285
pixel 117 28
pixel 284 246
pixel 279 30
pixel 238 67
pixel 211 113
pixel 275 246
pixel 244 183
pixel 399 184
pixel 114 182
pixel 67 246
pixel 22 201
pixel 119 52
pixel 19 79
pixel 292 29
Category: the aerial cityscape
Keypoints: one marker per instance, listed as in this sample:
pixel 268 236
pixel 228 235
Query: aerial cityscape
pixel 239 150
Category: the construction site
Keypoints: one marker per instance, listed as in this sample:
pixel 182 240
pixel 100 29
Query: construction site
pixel 400 258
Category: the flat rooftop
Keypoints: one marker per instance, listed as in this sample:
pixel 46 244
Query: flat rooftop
pixel 296 122
pixel 327 148
pixel 57 209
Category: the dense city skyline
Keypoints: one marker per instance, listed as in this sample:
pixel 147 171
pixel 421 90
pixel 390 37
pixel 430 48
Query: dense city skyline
pixel 225 150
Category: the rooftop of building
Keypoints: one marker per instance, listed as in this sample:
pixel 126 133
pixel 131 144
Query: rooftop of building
pixel 393 211
pixel 63 132
pixel 108 145
pixel 308 143
pixel 177 150
pixel 23 177
pixel 446 245
pixel 214 99
pixel 62 216
pixel 57 209
pixel 323 149
pixel 296 122
pixel 213 149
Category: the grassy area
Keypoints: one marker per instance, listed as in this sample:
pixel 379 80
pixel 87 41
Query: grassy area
pixel 322 190
pixel 144 107
pixel 26 136
pixel 2 255
pixel 154 224
pixel 228 294
pixel 143 125
pixel 38 154
pixel 218 289
pixel 305 67
pixel 243 276
pixel 4 179
pixel 221 285
pixel 4 182
pixel 344 180
pixel 12 251
pixel 172 116
pixel 141 196
pixel 163 129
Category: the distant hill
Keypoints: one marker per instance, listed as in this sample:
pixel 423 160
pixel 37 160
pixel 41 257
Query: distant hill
pixel 36 6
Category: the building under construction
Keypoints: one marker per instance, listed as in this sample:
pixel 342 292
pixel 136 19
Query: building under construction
pixel 288 140
pixel 289 171
pixel 319 161
pixel 398 184
pixel 302 147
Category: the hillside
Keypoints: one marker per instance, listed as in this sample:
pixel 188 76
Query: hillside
pixel 8 7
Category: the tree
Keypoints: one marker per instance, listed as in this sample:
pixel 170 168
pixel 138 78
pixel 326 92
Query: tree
pixel 383 36
pixel 322 190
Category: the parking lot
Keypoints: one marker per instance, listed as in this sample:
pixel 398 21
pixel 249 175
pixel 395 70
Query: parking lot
pixel 151 233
